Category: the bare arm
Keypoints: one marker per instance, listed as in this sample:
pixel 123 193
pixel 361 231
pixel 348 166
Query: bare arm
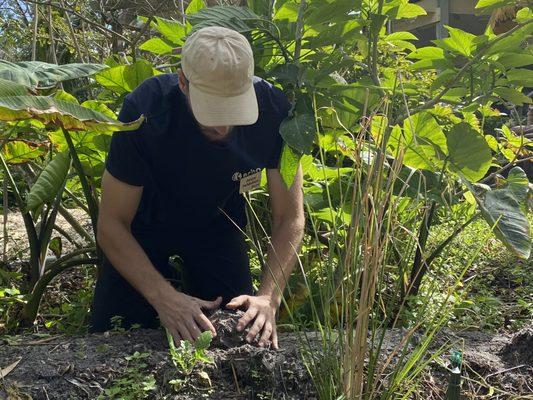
pixel 180 313
pixel 287 232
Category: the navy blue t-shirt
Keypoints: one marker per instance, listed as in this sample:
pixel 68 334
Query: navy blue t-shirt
pixel 187 178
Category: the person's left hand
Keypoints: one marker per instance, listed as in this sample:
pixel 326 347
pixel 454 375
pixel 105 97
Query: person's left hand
pixel 263 311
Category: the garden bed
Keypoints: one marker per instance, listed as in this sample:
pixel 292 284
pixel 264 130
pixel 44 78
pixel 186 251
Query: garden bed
pixel 82 367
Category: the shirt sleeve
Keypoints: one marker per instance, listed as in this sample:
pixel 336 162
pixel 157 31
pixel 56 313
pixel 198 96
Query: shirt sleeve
pixel 126 157
pixel 281 111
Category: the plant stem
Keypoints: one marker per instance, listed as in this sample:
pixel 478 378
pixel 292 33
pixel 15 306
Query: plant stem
pixel 91 203
pixel 29 312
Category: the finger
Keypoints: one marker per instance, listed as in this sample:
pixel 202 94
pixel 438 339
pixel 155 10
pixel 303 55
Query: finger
pixel 256 328
pixel 275 337
pixel 193 329
pixel 246 318
pixel 204 323
pixel 237 302
pixel 175 336
pixel 211 305
pixel 267 333
pixel 184 333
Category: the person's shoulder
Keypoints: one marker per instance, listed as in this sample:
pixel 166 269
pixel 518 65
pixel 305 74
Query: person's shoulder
pixel 155 95
pixel 269 97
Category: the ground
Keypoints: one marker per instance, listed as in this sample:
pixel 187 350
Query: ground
pixel 133 364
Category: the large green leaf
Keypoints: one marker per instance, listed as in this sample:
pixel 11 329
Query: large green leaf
pixel 124 79
pixel 398 9
pixel 240 19
pixel 459 41
pixel 502 210
pixel 172 30
pixel 332 12
pixel 15 106
pixel 489 5
pixel 289 163
pixel 469 151
pixel 423 140
pixel 49 182
pixel 37 74
pixel 512 95
pixel 157 46
pixel 299 132
pixel 18 151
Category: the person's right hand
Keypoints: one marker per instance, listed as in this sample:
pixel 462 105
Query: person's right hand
pixel 182 315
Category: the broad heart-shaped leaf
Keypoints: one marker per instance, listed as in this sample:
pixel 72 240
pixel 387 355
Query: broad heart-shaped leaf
pixel 17 151
pixel 489 5
pixel 502 210
pixel 49 181
pixel 459 41
pixel 512 95
pixel 35 74
pixel 123 79
pixel 398 9
pixel 518 184
pixel 289 163
pixel 15 106
pixel 423 140
pixel 469 151
pixel 299 132
pixel 172 30
pixel 240 19
pixel 157 46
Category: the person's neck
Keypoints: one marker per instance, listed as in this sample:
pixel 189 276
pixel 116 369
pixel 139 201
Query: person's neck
pixel 213 135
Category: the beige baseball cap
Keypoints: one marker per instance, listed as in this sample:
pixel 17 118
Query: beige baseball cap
pixel 219 65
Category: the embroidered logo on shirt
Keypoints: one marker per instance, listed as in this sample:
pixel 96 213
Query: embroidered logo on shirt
pixel 249 180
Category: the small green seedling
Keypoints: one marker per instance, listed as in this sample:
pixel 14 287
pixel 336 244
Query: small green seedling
pixel 187 357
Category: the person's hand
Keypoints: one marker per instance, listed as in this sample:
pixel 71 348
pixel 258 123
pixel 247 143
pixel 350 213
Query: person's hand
pixel 182 315
pixel 260 310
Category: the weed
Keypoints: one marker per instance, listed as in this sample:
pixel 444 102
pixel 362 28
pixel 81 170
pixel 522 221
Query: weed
pixel 135 383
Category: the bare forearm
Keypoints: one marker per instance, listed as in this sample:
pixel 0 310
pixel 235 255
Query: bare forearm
pixel 281 258
pixel 130 260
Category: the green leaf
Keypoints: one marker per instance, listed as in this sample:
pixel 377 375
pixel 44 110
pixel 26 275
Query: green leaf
pixel 240 19
pixel 16 107
pixel 157 46
pixel 18 151
pixel 469 151
pixel 172 30
pixel 512 95
pixel 288 11
pixel 289 163
pixel 333 12
pixel 37 74
pixel 424 141
pixel 194 6
pixel 518 184
pixel 502 210
pixel 489 5
pixel 404 10
pixel 203 341
pixel 429 52
pixel 459 41
pixel 516 59
pixel 299 132
pixel 62 95
pixel 125 78
pixel 524 15
pixel 49 182
pixel 520 77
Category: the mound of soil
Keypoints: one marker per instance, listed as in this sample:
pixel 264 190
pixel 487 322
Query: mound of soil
pixel 83 367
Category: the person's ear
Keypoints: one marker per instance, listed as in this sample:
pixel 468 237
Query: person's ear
pixel 182 82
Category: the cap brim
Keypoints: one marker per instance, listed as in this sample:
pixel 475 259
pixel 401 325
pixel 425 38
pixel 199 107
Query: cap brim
pixel 211 110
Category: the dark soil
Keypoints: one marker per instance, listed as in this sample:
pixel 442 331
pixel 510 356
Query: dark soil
pixel 82 367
